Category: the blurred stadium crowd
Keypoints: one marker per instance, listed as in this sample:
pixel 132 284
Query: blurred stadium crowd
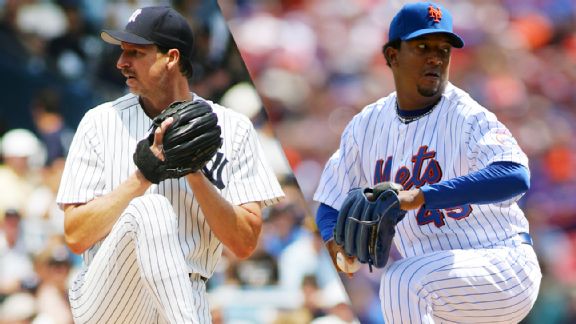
pixel 53 68
pixel 317 63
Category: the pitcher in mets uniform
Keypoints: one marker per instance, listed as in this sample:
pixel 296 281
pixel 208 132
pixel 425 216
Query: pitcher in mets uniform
pixel 467 254
pixel 148 249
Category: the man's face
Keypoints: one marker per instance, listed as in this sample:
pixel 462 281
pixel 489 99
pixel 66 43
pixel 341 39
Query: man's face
pixel 422 66
pixel 144 68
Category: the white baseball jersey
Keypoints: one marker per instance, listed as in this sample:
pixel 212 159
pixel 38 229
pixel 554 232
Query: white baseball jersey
pixel 456 138
pixel 462 264
pixel 152 266
pixel 100 158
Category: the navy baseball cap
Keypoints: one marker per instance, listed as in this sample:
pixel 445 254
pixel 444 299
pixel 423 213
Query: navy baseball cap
pixel 422 18
pixel 161 25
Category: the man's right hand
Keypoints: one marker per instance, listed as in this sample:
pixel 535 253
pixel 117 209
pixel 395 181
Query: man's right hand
pixel 157 147
pixel 334 249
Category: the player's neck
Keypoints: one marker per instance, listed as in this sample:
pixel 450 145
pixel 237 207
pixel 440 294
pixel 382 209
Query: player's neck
pixel 408 116
pixel 153 106
pixel 409 104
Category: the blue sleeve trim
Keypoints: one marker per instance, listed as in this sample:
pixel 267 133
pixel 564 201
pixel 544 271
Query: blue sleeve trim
pixel 326 218
pixel 497 182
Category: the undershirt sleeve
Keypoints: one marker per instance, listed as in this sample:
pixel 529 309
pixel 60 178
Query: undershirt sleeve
pixel 326 217
pixel 497 182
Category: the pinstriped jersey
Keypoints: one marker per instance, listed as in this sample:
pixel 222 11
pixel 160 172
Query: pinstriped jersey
pixel 100 158
pixel 457 137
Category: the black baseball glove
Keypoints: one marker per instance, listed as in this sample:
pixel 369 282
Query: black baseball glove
pixel 189 143
pixel 366 223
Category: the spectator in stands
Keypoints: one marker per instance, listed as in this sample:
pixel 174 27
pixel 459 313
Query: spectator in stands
pixel 14 259
pixel 23 155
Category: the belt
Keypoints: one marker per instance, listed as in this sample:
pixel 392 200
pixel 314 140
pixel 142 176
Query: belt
pixel 525 238
pixel 197 276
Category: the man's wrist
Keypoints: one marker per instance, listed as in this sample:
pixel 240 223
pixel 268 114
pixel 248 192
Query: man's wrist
pixel 411 199
pixel 195 176
pixel 141 178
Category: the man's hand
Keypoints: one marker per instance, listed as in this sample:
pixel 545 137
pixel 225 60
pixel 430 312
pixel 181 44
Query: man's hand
pixel 366 222
pixel 411 199
pixel 157 147
pixel 334 249
pixel 185 136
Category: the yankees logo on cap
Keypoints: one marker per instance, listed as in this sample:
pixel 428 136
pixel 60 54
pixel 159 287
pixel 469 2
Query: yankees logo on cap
pixel 158 25
pixel 422 18
pixel 134 15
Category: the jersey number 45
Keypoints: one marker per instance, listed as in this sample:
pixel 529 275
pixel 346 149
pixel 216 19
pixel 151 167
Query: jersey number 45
pixel 438 216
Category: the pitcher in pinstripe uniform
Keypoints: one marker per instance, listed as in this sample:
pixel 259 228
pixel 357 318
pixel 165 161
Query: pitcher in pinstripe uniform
pixel 149 249
pixel 467 254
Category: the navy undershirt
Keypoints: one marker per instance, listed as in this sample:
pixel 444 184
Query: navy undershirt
pixel 510 179
pixel 414 113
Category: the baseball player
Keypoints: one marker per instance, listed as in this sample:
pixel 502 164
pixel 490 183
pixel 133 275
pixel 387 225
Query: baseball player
pixel 148 249
pixel 467 254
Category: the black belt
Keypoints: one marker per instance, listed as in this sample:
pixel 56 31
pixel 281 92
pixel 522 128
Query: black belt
pixel 197 276
pixel 525 238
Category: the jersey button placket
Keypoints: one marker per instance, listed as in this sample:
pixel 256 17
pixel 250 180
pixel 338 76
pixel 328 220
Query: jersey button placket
pixel 402 130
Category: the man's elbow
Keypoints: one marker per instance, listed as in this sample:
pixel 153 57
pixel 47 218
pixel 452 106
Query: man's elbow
pixel 244 252
pixel 523 180
pixel 525 185
pixel 245 244
pixel 74 243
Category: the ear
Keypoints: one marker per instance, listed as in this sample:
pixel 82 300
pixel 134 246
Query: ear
pixel 391 55
pixel 173 57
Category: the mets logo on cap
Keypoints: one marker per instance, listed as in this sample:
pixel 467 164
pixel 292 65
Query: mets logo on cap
pixel 435 13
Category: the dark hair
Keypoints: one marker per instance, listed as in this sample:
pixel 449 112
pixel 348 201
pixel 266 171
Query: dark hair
pixel 184 63
pixel 394 44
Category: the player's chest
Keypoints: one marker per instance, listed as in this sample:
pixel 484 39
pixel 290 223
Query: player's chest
pixel 409 155
pixel 119 163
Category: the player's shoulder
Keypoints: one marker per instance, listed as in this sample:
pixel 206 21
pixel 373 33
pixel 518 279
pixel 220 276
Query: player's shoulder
pixel 462 103
pixel 127 101
pixel 227 115
pixel 104 112
pixel 384 105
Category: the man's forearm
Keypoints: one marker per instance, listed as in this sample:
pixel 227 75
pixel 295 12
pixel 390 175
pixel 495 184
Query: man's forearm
pixel 237 227
pixel 86 224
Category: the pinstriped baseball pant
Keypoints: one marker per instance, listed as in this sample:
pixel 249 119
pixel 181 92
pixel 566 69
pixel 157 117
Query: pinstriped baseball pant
pixel 498 285
pixel 139 274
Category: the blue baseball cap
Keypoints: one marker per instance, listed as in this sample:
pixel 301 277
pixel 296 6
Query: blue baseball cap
pixel 159 25
pixel 422 18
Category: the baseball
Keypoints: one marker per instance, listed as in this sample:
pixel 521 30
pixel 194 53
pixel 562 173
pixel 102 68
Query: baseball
pixel 345 266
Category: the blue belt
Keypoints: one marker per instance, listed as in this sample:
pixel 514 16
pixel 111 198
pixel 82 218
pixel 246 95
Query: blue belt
pixel 525 238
